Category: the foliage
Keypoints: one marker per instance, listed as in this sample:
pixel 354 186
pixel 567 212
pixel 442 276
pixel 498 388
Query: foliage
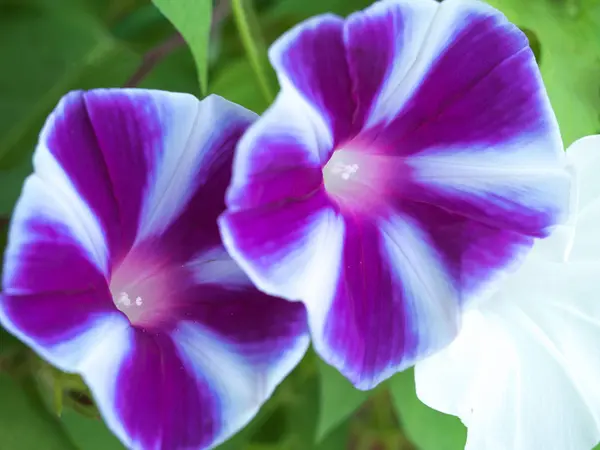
pixel 48 47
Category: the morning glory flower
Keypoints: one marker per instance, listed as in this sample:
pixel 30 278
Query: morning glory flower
pixel 115 269
pixel 408 162
pixel 523 372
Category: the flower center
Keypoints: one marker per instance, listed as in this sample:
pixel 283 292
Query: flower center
pixel 358 180
pixel 144 290
pixel 133 309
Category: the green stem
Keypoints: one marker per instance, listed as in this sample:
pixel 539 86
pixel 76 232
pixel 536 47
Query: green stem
pixel 254 46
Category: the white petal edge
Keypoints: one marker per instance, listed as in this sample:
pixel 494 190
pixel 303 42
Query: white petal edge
pixel 49 196
pixel 288 116
pixel 522 373
pixel 241 388
pixel 447 20
pixel 584 157
pixel 301 109
pixel 417 17
pixel 314 260
pixel 191 129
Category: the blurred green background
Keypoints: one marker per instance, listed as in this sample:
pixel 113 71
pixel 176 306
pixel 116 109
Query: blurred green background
pixel 48 47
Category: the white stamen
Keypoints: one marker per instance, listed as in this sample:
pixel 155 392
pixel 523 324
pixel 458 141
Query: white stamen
pixel 344 170
pixel 124 299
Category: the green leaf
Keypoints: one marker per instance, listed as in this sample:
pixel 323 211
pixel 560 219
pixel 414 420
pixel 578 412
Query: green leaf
pixel 176 73
pixel 25 423
pixel 338 400
pixel 192 18
pixel 256 49
pixel 425 427
pixel 45 54
pixel 337 439
pixel 309 8
pixel 89 434
pixel 9 345
pixel 301 412
pixel 235 83
pixel 568 32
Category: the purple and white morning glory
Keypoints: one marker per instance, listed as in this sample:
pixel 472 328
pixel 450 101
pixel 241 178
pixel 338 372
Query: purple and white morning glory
pixel 408 163
pixel 523 372
pixel 115 269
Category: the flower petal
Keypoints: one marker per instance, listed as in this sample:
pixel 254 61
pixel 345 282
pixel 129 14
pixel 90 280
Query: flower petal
pixel 522 372
pixel 302 238
pixel 382 44
pixel 51 230
pixel 310 60
pixel 120 149
pixel 187 188
pixel 502 164
pixel 394 301
pixel 145 221
pixel 194 388
pixel 523 192
pixel 480 59
pixel 55 295
pixel 284 159
pixel 187 193
pixel 470 184
pixel 584 156
pixel 62 327
pixel 477 257
pixel 378 296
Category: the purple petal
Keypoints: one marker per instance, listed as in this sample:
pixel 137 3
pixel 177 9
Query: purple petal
pixel 301 237
pixel 193 387
pixel 382 43
pixel 275 164
pixel 115 269
pixel 226 303
pixel 394 301
pixel 476 256
pixel 55 293
pixel 475 85
pixel 52 229
pixel 62 327
pixel 451 166
pixel 160 401
pixel 68 154
pixel 121 150
pixel 181 217
pixel 516 189
pixel 310 59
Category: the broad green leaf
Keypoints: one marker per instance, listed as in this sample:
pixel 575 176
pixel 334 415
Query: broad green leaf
pixel 89 434
pixel 44 55
pixel 254 44
pixel 102 9
pixel 569 35
pixel 305 9
pixel 192 18
pixel 25 423
pixel 301 414
pixel 176 73
pixel 237 83
pixel 145 29
pixel 425 427
pixel 288 421
pixel 9 345
pixel 337 439
pixel 241 439
pixel 111 10
pixel 338 400
pixel 11 177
